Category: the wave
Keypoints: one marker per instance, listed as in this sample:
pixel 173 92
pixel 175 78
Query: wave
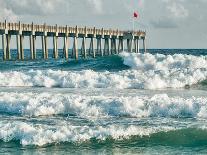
pixel 147 72
pixel 65 132
pixel 94 107
pixel 30 134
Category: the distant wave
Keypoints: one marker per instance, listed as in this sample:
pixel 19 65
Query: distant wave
pixel 147 72
pixel 94 107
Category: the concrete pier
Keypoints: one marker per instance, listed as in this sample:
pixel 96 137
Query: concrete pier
pixel 107 41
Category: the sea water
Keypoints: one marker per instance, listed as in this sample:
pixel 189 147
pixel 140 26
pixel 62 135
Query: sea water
pixel 153 103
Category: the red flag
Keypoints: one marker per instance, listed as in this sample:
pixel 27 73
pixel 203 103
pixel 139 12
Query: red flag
pixel 136 14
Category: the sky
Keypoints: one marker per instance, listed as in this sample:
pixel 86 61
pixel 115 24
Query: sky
pixel 168 23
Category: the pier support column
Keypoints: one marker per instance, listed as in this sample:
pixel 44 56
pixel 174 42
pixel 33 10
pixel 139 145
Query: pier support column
pixel 18 47
pixel 34 47
pixel 99 46
pixel 91 50
pixel 119 45
pixel 55 49
pixel 43 47
pixel 115 46
pixel 21 47
pixel 90 47
pixel 129 45
pixel 112 46
pixel 31 47
pixel 106 47
pixel 46 47
pixel 135 45
pixel 122 45
pixel 144 45
pixel 4 46
pixel 8 54
pixel 83 48
pixel 138 48
pixel 75 48
pixel 66 47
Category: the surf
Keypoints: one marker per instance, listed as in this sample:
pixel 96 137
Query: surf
pixel 146 71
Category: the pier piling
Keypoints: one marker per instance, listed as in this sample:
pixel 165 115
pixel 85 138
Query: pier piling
pixel 21 47
pixel 4 46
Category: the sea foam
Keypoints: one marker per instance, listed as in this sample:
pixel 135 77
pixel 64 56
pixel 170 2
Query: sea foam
pixel 95 107
pixel 30 134
pixel 147 72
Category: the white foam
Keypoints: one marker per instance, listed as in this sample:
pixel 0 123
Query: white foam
pixel 148 72
pixel 94 107
pixel 30 134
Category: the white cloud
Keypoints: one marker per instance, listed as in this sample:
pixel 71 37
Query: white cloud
pixel 35 7
pixel 6 13
pixel 177 10
pixel 98 5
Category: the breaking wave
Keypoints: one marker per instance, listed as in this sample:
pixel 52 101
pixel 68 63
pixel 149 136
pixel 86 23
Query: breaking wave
pixel 40 135
pixel 147 72
pixel 29 134
pixel 94 107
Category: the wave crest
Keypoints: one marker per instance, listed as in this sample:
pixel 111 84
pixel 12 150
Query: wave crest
pixel 40 104
pixel 147 72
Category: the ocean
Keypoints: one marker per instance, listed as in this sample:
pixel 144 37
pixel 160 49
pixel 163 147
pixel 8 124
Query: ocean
pixel 152 103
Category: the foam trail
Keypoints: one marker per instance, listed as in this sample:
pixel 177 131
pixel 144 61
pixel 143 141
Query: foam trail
pixel 95 107
pixel 147 72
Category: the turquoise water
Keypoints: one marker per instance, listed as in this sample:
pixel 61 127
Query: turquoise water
pixel 122 104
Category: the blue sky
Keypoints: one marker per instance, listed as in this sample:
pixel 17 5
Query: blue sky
pixel 169 23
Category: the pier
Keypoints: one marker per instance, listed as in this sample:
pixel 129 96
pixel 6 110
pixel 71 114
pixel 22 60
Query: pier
pixel 102 42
